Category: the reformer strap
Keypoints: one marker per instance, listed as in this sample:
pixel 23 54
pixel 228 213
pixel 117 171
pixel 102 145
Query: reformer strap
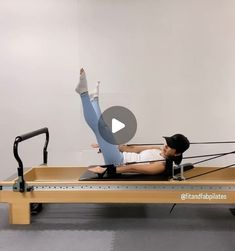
pixel 169 163
pixel 217 155
pixel 191 143
pixel 188 157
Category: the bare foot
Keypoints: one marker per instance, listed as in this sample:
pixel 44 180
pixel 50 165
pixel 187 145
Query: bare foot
pixel 97 169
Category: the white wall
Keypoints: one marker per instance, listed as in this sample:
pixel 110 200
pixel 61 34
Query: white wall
pixel 170 62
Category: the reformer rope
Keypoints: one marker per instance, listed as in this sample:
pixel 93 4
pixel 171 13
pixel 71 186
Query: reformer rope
pixel 214 156
pixel 213 171
pixel 191 143
pixel 216 170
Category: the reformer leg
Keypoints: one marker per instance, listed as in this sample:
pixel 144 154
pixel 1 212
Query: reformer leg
pixel 35 208
pixel 232 211
pixel 19 213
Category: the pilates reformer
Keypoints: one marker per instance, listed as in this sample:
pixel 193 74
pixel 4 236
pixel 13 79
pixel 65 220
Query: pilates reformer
pixel 26 191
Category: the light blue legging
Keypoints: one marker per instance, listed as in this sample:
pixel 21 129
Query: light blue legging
pixel 92 114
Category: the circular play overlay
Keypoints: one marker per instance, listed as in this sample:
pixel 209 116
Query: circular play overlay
pixel 117 125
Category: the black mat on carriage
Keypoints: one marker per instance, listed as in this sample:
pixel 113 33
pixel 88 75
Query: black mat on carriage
pixel 89 176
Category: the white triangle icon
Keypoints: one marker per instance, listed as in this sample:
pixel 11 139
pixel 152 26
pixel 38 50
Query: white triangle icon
pixel 117 125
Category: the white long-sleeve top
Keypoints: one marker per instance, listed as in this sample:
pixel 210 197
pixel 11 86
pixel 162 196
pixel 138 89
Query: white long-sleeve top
pixel 146 155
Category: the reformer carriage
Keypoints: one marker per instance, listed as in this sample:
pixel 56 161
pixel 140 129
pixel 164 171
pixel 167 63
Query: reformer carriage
pixel 52 184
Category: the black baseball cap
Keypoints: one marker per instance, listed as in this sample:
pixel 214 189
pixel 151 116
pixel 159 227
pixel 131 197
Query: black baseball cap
pixel 178 142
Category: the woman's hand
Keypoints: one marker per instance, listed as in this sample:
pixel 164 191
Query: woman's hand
pixel 95 146
pixel 122 148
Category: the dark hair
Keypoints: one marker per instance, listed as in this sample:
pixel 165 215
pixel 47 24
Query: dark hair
pixel 177 159
pixel 169 164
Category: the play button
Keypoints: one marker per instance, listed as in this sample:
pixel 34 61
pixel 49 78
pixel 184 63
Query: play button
pixel 117 125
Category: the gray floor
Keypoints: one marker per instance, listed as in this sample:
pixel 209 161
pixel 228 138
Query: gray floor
pixel 122 227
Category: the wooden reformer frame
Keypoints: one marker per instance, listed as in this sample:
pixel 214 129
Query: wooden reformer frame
pixel 49 184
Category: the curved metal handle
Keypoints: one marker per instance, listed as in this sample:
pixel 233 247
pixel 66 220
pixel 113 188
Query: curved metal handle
pixel 20 184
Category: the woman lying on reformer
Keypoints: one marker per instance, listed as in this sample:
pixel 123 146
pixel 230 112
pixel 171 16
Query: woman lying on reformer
pixel 116 157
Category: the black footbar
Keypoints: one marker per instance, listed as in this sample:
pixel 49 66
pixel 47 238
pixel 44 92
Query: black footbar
pixel 20 185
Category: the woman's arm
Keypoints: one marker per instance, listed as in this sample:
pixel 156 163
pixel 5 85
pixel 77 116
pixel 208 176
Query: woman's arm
pixel 151 169
pixel 132 149
pixel 136 149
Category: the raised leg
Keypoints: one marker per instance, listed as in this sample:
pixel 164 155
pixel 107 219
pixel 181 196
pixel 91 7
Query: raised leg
pixel 91 112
